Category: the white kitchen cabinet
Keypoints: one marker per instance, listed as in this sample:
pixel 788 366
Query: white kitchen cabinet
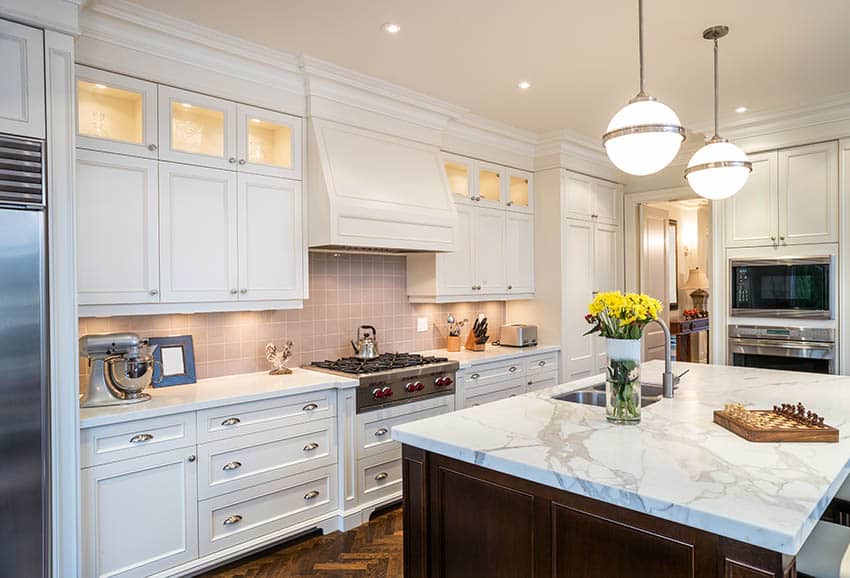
pixel 490 251
pixel 752 214
pixel 117 229
pixel 116 113
pixel 269 143
pixel 140 516
pixel 791 198
pixel 271 256
pixel 490 181
pixel 520 195
pixel 197 129
pixel 22 106
pixel 460 174
pixel 808 194
pixel 519 253
pixel 591 198
pixel 198 229
pixel 456 271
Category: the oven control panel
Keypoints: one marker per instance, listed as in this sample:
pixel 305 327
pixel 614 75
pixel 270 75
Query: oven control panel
pixel 374 394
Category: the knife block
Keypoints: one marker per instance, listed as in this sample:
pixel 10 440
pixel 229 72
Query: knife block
pixel 471 345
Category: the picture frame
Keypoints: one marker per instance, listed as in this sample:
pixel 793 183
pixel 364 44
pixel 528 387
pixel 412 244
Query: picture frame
pixel 175 360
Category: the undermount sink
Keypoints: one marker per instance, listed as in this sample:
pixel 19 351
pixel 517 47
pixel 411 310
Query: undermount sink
pixel 595 395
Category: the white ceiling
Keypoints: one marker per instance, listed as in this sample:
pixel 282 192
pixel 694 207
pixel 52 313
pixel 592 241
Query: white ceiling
pixel 579 55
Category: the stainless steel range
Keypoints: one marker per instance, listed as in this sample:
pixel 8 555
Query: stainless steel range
pixel 394 378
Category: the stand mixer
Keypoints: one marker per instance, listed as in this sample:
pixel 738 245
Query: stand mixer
pixel 121 367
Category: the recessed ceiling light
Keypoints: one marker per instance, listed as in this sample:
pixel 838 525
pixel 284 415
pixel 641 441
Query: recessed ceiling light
pixel 391 28
pixel 524 85
pixel 741 109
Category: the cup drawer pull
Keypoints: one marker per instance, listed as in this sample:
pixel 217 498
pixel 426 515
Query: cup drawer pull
pixel 475 376
pixel 231 421
pixel 229 467
pixel 141 438
pixel 381 432
pixel 310 407
pixel 311 446
pixel 512 368
pixel 311 495
pixel 541 363
pixel 381 477
pixel 230 520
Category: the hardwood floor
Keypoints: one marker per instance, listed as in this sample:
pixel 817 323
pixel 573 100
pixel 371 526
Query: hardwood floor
pixel 373 550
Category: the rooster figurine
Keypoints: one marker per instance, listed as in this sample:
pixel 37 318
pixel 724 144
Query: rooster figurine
pixel 279 358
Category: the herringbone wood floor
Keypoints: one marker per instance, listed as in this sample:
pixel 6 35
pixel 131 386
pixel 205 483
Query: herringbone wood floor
pixel 373 550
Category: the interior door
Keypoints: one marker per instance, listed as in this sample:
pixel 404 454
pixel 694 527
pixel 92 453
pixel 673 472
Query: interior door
pixel 270 247
pixel 579 288
pixel 490 250
pixel 653 273
pixel 198 245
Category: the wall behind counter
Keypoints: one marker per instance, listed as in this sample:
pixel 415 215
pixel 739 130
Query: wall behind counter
pixel 345 292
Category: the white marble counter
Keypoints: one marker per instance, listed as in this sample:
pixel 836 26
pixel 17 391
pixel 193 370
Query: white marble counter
pixel 215 392
pixel 676 464
pixel 491 353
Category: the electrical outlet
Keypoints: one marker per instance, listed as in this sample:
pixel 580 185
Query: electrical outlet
pixel 421 324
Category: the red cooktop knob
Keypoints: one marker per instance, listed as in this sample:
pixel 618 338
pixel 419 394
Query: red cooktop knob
pixel 419 386
pixel 388 392
pixel 448 380
pixel 377 393
pixel 439 381
pixel 411 387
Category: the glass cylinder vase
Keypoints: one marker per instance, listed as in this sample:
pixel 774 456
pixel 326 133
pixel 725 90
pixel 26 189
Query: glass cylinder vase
pixel 622 383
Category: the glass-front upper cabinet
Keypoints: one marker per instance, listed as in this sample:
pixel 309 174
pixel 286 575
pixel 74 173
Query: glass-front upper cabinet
pixel 460 174
pixel 197 129
pixel 520 191
pixel 116 113
pixel 269 142
pixel 491 182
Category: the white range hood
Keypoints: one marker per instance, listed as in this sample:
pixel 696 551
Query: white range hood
pixel 369 191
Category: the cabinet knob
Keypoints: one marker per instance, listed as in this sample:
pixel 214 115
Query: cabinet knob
pixel 772 238
pixel 233 291
pixel 229 467
pixel 242 161
pixel 594 216
pixel 510 287
pixel 152 147
pixel 509 203
pixel 311 495
pixel 311 446
pixel 192 458
pixel 243 291
pixel 381 477
pixel 781 237
pixel 154 292
pixel 230 520
pixel 232 160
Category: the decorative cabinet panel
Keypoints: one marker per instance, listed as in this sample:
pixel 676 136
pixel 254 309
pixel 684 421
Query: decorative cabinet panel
pixel 22 103
pixel 271 255
pixel 519 253
pixel 117 229
pixel 153 496
pixel 269 142
pixel 791 198
pixel 116 113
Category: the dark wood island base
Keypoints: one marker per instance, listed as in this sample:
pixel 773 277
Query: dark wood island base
pixel 466 521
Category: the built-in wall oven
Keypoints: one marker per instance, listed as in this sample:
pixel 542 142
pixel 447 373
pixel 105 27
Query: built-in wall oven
pixel 791 287
pixel 809 349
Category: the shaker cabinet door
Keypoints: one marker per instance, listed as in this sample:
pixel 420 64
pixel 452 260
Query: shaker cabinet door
pixel 22 88
pixel 490 250
pixel 808 194
pixel 269 143
pixel 519 253
pixel 198 245
pixel 117 233
pixel 456 270
pixel 271 258
pixel 578 252
pixel 752 213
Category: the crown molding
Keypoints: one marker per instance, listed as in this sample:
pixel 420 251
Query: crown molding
pixel 59 15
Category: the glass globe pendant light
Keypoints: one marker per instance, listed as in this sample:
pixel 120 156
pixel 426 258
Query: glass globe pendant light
pixel 645 135
pixel 719 169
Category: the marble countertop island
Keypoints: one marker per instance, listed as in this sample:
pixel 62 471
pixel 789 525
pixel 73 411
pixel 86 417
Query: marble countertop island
pixel 676 464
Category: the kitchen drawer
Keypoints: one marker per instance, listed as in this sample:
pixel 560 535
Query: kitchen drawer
pixel 231 519
pixel 541 363
pixel 380 477
pixel 476 400
pixel 244 461
pixel 471 389
pixel 132 439
pixel 541 380
pixel 374 428
pixel 491 372
pixel 245 418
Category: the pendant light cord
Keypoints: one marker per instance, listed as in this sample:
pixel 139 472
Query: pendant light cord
pixel 640 47
pixel 716 104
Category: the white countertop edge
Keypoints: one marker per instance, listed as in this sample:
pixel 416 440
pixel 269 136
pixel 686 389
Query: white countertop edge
pixel 492 353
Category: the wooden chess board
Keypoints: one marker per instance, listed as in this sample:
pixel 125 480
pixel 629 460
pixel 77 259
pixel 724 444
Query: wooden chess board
pixel 771 426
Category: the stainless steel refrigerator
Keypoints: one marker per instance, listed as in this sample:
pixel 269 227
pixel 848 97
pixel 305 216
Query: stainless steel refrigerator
pixel 24 435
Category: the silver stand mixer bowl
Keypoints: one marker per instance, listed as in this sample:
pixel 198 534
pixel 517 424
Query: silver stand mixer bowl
pixel 121 367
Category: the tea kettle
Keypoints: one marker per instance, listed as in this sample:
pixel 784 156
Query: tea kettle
pixel 367 343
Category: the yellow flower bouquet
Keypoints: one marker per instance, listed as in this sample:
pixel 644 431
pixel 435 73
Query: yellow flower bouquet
pixel 617 316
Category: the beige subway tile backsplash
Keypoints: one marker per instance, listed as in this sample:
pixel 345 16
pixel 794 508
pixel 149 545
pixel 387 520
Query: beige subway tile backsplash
pixel 346 291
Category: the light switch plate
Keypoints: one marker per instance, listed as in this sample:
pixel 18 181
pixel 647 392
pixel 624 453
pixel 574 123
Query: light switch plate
pixel 421 324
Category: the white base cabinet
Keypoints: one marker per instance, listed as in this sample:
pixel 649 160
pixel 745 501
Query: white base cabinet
pixel 140 515
pixel 489 382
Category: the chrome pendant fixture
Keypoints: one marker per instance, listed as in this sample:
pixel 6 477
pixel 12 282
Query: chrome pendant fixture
pixel 719 169
pixel 645 135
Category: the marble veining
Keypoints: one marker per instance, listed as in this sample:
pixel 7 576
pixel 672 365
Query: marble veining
pixel 676 464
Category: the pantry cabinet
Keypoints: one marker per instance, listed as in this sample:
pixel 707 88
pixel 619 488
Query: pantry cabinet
pixel 141 515
pixel 117 229
pixel 791 198
pixel 22 102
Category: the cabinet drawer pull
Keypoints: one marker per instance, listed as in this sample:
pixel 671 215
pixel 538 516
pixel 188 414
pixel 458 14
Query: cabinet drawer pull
pixel 476 404
pixel 152 147
pixel 512 368
pixel 141 438
pixel 231 421
pixel 475 376
pixel 230 520
pixel 229 467
pixel 311 446
pixel 541 363
pixel 311 495
pixel 381 432
pixel 530 383
pixel 381 477
pixel 310 407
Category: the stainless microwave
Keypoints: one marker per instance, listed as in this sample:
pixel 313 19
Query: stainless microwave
pixel 792 287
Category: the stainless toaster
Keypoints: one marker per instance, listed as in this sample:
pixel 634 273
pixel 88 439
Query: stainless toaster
pixel 518 335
